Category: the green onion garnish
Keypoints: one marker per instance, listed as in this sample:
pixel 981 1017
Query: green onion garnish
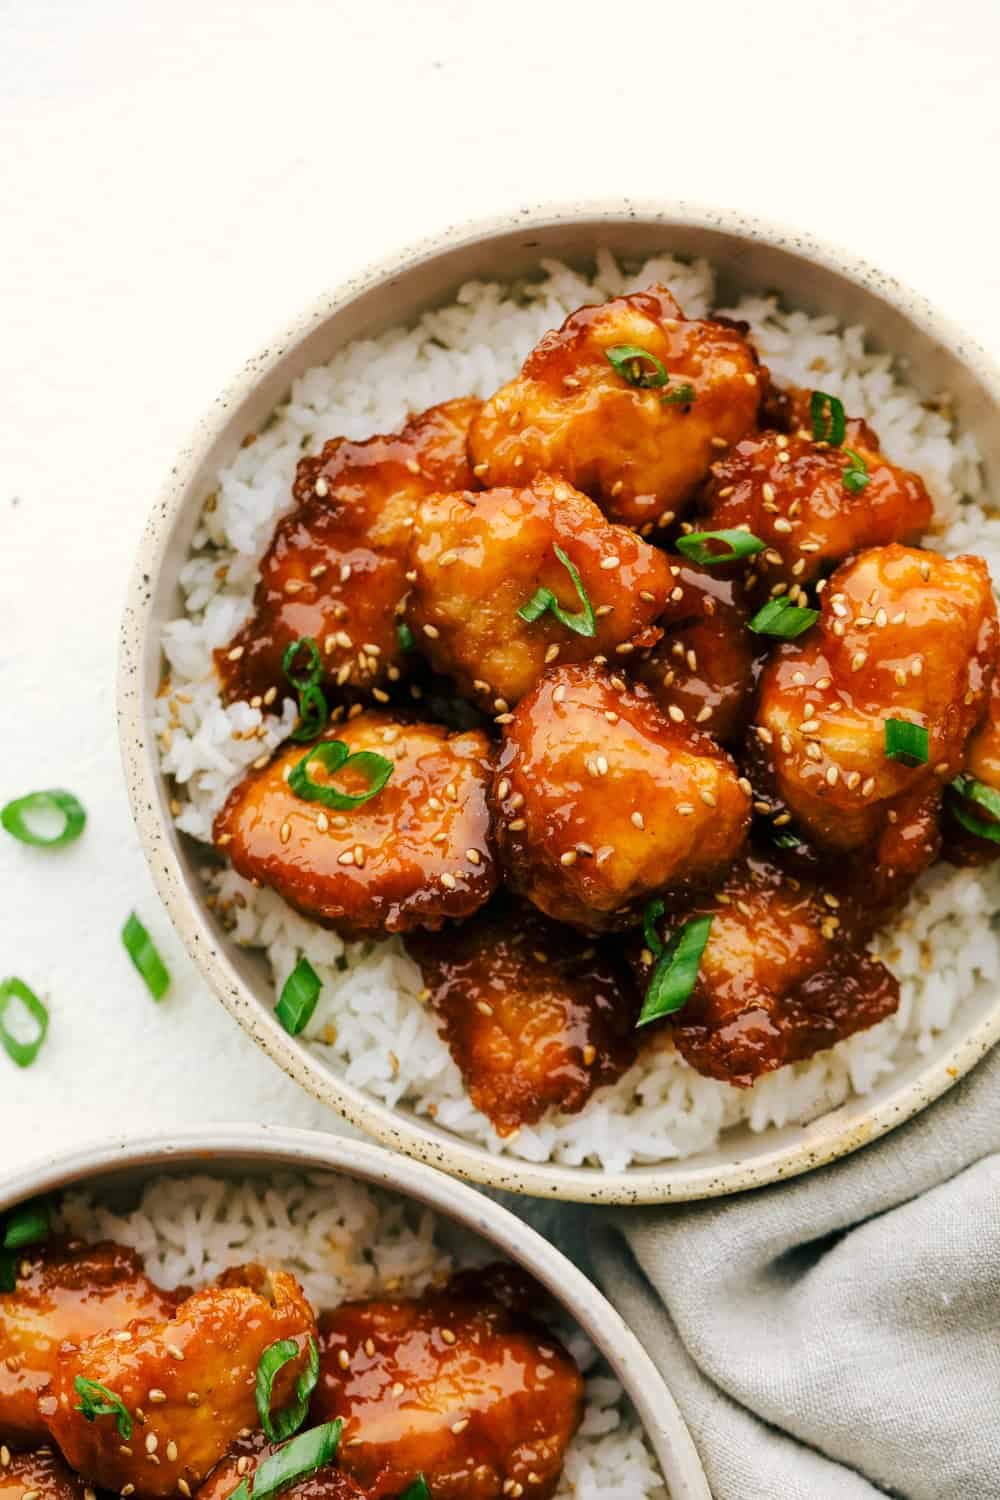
pixel 405 637
pixel 675 973
pixel 28 1224
pixel 967 788
pixel 299 994
pixel 784 620
pixel 14 817
pixel 583 622
pixel 906 742
pixel 22 1053
pixel 829 423
pixel 281 1425
pixel 681 395
pixel 142 951
pixel 296 1460
pixel 627 360
pixel 783 838
pixel 652 913
pixel 97 1401
pixel 417 1490
pixel 335 756
pixel 856 475
pixel 737 544
pixel 313 711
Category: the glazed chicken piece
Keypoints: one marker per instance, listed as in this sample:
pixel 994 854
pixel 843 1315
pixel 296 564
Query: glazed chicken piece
pixel 639 449
pixel 186 1386
pixel 904 635
pixel 417 852
pixel 602 800
pixel 784 974
pixel 963 845
pixel 470 1392
pixel 41 1473
pixel 65 1290
pixel 335 568
pixel 477 559
pixel 792 493
pixel 250 1450
pixel 706 661
pixel 534 1016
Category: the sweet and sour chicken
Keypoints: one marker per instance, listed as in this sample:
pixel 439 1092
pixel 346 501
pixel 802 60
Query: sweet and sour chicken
pixel 718 686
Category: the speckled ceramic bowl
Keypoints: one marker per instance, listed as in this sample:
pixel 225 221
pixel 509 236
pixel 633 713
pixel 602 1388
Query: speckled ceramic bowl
pixel 748 256
pixel 120 1167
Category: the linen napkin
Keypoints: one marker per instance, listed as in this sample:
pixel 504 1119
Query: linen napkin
pixel 839 1335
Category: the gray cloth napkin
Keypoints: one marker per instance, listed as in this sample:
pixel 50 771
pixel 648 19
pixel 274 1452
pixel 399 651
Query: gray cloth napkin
pixel 839 1335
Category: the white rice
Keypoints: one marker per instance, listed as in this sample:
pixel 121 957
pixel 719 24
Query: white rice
pixel 345 1240
pixel 369 1023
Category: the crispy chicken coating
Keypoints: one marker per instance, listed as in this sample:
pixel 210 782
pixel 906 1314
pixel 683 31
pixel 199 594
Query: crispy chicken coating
pixel 418 851
pixel 65 1290
pixel 249 1451
pixel 902 634
pixel 470 1392
pixel 602 800
pixel 477 559
pixel 335 568
pixel 636 451
pixel 706 662
pixel 791 492
pixel 191 1378
pixel 42 1473
pixel 535 1017
pixel 784 974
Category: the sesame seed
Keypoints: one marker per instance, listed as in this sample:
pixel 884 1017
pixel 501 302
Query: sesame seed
pixel 858 660
pixel 925 571
pixel 868 787
pixel 448 1336
pixel 917 666
pixel 345 572
pixel 708 798
pixel 448 881
pixel 685 809
pixel 431 632
pixel 286 831
pixel 473 856
pixel 184 1488
pixel 612 561
pixel 484 1007
pixel 764 735
pixel 720 443
pixel 814 752
pixel 516 824
pixel 551 654
pixel 398 1388
pixel 832 776
pixel 744 786
pixel 677 714
pixel 128 1489
pixel 941 769
pixel 343 1359
pixel 235 653
pixel 321 487
pixel 459 1427
pixel 157 1397
pixel 347 858
pixel 638 820
pixel 569 858
pixel 559 693
pixel 193 1399
pixel 782 525
pixel 589 1054
pixel 152 1442
pixel 703 714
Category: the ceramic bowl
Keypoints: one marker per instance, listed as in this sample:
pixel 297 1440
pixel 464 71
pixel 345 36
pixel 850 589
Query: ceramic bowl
pixel 748 256
pixel 117 1170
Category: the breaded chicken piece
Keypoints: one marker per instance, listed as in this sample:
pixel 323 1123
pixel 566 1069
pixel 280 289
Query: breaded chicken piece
pixel 42 1473
pixel 471 1393
pixel 417 852
pixel 602 800
pixel 902 634
pixel 535 1017
pixel 334 571
pixel 706 660
pixel 250 1450
pixel 65 1290
pixel 639 449
pixel 477 559
pixel 785 973
pixel 186 1387
pixel 792 493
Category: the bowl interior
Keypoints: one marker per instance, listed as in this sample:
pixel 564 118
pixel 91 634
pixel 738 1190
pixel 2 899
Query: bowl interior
pixel 117 1171
pixel 747 257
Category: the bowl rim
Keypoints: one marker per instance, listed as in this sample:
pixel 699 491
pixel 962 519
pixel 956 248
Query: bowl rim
pixel 306 1150
pixel 830 1137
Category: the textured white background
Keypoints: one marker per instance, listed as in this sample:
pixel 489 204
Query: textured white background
pixel 178 177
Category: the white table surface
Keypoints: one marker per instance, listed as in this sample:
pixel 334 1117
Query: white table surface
pixel 178 177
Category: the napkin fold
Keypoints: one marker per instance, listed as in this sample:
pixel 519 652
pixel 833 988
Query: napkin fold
pixel 838 1335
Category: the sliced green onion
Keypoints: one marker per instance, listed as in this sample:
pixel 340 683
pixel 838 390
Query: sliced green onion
pixel 583 622
pixel 738 544
pixel 677 970
pixel 313 714
pixel 313 711
pixel 14 817
pixel 652 913
pixel 334 755
pixel 906 742
pixel 967 788
pixel 142 951
pixel 314 669
pixel 784 620
pixel 298 1459
pixel 299 994
pixel 856 475
pixel 282 1424
pixel 22 1053
pixel 8 1271
pixel 783 838
pixel 829 423
pixel 417 1490
pixel 627 360
pixel 28 1224
pixel 405 637
pixel 680 395
pixel 97 1401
